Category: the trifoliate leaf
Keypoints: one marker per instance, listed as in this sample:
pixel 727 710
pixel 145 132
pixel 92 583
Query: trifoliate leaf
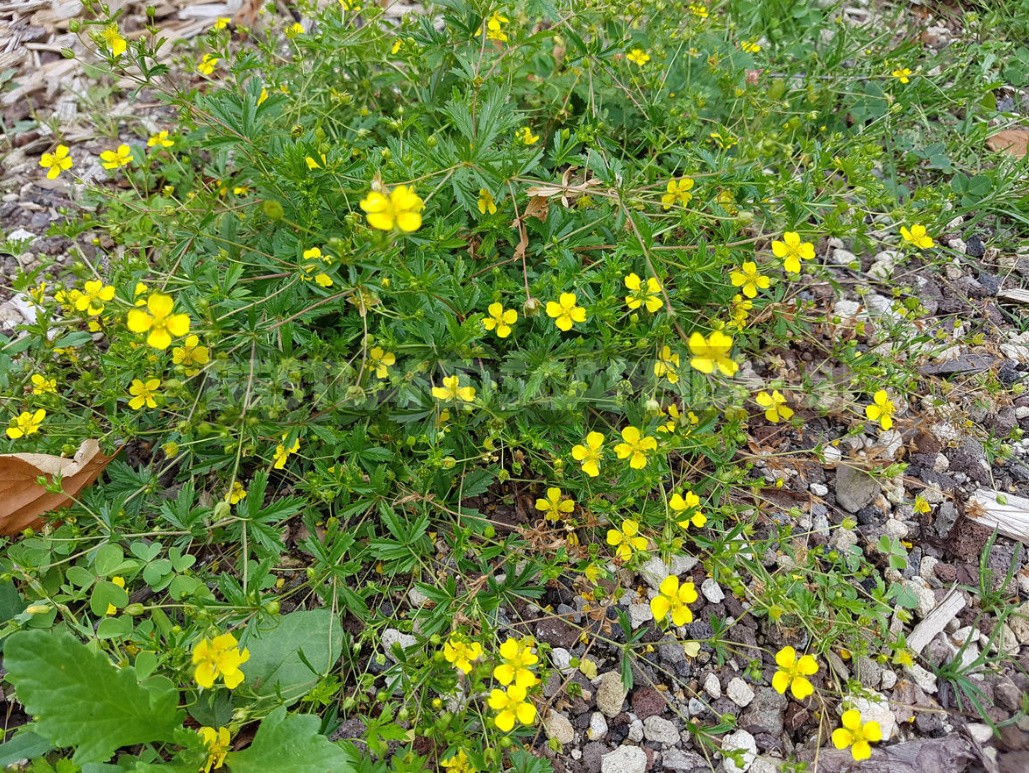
pixel 81 700
pixel 289 743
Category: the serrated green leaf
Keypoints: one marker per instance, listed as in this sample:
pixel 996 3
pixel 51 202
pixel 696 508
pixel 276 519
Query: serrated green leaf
pixel 289 744
pixel 287 661
pixel 80 700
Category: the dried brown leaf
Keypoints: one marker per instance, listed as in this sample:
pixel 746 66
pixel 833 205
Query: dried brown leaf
pixel 1014 142
pixel 23 502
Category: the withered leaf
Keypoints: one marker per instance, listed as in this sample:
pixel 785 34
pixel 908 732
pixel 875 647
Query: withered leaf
pixel 23 502
pixel 1014 142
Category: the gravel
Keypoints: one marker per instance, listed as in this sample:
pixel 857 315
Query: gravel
pixel 610 694
pixel 624 759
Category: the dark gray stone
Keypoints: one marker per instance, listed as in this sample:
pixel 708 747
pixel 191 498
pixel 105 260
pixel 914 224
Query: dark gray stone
pixel 855 488
pixel 765 713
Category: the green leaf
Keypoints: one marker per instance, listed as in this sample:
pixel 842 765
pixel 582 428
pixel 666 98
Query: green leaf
pixel 287 662
pixel 25 745
pixel 289 744
pixel 80 700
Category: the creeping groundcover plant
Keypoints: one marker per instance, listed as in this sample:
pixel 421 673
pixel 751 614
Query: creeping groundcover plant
pixel 402 342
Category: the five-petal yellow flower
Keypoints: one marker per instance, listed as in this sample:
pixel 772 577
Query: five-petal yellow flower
pixel 793 673
pixel 673 600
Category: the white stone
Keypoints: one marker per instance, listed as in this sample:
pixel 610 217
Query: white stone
pixel 635 732
pixel 843 540
pixel 712 592
pixel 739 692
pixel 889 680
pixel 896 529
pixel 875 708
pixel 611 694
pixel 598 727
pixel 980 732
pixel 417 598
pixel 639 614
pixel 832 454
pixel 562 660
pixel 927 569
pixel 842 257
pixel 624 759
pixel 21 235
pixel 766 765
pixel 1018 622
pixel 655 570
pixel 712 686
pixel 660 730
pixel 923 678
pixel 392 636
pixel 559 728
pixel 819 489
pixel 740 740
pixel 847 311
pixel 1005 641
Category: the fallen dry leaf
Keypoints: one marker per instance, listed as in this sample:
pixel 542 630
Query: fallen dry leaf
pixel 1014 142
pixel 23 501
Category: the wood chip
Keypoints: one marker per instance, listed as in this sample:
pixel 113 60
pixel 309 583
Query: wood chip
pixel 936 621
pixel 1014 142
pixel 1006 513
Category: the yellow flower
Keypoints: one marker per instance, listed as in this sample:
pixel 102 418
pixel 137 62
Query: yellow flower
pixel 486 202
pixel 91 300
pixel 221 22
pixel 638 56
pixel 217 742
pixel 921 505
pixel 113 40
pixel 294 29
pixel 553 506
pixel 712 352
pixel 750 279
pixel 590 454
pixel 881 409
pixel 565 312
pixel 526 137
pixel 857 735
pixel 207 64
pixel 511 705
pixel 158 321
pixel 380 361
pixel 143 393
pixel 674 419
pixel 499 319
pixel 673 599
pixel 495 27
pixel 282 453
pixel 111 608
pixel 775 406
pixel 400 208
pixel 625 541
pixel 191 354
pixel 698 10
pixel 750 46
pixel 25 423
pixel 458 763
pixel 451 391
pixel 667 365
pixel 643 296
pixel 677 191
pixel 309 268
pixel 902 74
pixel 114 159
pixel 262 97
pixel 160 139
pixel 41 385
pixel 516 659
pixel 791 250
pixel 461 654
pixel 917 236
pixel 740 310
pixel 723 141
pixel 237 493
pixel 635 447
pixel 56 162
pixel 793 673
pixel 685 503
pixel 216 657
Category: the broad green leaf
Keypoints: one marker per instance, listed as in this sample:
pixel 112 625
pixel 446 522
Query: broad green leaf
pixel 80 700
pixel 289 744
pixel 26 745
pixel 287 661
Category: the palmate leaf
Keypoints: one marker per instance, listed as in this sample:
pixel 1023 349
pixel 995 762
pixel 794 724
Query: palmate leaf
pixel 80 700
pixel 289 744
